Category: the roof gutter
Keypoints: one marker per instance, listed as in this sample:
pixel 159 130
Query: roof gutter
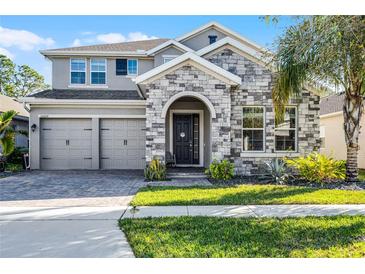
pixel 91 53
pixel 41 101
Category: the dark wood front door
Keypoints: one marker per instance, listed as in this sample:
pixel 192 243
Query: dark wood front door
pixel 186 145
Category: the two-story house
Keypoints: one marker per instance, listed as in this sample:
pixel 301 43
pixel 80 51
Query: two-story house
pixel 205 95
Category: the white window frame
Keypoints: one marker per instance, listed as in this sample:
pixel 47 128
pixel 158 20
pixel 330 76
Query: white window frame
pixel 130 74
pixel 171 57
pixel 70 81
pixel 106 64
pixel 263 130
pixel 296 132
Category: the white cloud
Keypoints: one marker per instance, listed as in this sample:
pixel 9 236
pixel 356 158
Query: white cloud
pixel 136 36
pixel 22 39
pixel 111 38
pixel 76 43
pixel 6 53
pixel 87 33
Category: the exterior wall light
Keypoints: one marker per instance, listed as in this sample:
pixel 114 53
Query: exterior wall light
pixel 33 127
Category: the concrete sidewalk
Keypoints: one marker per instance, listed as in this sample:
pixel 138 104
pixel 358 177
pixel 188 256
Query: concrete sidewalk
pixel 245 211
pixel 62 232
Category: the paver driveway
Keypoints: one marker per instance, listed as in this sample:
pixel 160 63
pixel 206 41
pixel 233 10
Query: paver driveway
pixel 65 213
pixel 70 188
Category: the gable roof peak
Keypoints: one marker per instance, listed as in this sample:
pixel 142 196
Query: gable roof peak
pixel 223 29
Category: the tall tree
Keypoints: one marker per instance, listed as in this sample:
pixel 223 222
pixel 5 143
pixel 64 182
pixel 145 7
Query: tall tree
pixel 19 81
pixel 325 51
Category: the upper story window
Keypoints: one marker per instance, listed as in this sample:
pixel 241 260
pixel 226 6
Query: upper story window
pixel 253 128
pixel 126 66
pixel 98 71
pixel 167 58
pixel 78 71
pixel 132 67
pixel 212 39
pixel 121 66
pixel 286 132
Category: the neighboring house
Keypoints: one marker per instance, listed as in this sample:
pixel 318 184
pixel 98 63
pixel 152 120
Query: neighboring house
pixel 20 121
pixel 203 96
pixel 332 131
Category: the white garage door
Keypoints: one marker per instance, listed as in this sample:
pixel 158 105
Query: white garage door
pixel 66 144
pixel 122 143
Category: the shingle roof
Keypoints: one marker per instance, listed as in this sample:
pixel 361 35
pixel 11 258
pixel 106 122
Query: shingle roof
pixel 88 94
pixel 7 103
pixel 125 46
pixel 332 103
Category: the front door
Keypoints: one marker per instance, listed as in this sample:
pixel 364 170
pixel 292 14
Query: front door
pixel 186 138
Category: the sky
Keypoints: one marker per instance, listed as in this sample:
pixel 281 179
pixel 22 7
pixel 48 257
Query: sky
pixel 21 37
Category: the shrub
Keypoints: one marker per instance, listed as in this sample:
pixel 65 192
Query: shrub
pixel 278 170
pixel 156 171
pixel 16 157
pixel 223 170
pixel 318 168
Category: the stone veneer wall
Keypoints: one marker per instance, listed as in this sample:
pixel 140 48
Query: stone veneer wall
pixel 256 91
pixel 188 78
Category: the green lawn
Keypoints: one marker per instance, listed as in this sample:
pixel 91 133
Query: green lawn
pixel 340 236
pixel 245 195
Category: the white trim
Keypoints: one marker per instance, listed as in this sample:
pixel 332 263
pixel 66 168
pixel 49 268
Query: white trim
pixel 171 57
pixel 263 131
pixel 131 75
pixel 106 65
pixel 218 27
pixel 226 76
pixel 296 132
pixel 91 53
pixel 328 115
pixel 256 54
pixel 76 116
pixel 166 44
pixel 201 132
pixel 33 100
pixel 69 81
pixel 91 86
pixel 269 155
pixel 196 95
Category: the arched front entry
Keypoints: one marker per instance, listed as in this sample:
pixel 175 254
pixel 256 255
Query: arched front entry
pixel 188 129
pixel 190 94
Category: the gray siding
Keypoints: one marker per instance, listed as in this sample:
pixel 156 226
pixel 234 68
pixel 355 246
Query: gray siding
pixel 169 51
pixel 201 40
pixel 61 73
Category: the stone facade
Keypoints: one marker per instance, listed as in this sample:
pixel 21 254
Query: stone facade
pixel 226 128
pixel 256 91
pixel 187 79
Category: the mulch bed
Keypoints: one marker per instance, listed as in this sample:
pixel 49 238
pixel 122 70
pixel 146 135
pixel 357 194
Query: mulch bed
pixel 261 180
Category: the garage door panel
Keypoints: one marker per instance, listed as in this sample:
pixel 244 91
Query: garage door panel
pixel 115 152
pixel 65 144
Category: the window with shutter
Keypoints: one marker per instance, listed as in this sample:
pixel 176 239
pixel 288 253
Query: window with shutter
pixel 121 67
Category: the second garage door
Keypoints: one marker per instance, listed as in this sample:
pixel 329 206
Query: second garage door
pixel 122 143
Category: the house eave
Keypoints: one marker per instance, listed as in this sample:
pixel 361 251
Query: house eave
pixel 191 59
pixel 55 53
pixel 43 101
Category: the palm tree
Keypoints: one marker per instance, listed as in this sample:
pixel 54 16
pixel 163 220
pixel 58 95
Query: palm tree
pixel 7 132
pixel 326 52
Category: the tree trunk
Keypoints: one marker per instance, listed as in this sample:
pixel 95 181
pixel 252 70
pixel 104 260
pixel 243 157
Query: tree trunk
pixel 352 112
